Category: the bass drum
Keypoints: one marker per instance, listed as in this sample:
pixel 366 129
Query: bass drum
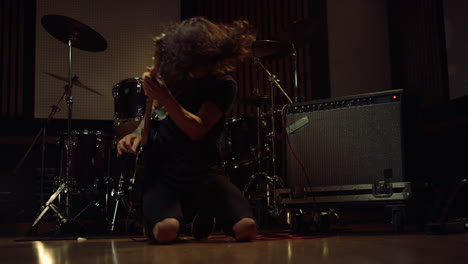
pixel 129 105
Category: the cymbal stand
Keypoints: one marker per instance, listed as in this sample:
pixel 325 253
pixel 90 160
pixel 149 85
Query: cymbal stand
pixel 274 179
pixel 68 144
pixel 293 54
pixel 42 132
pixel 258 152
pixel 273 82
pixel 49 204
pixel 64 185
pixel 119 193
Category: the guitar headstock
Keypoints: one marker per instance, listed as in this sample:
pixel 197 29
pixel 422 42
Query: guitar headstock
pixel 157 50
pixel 158 39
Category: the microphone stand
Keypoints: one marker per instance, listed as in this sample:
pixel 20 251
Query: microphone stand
pixel 274 179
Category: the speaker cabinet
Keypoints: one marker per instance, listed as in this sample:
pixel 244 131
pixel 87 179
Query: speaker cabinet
pixel 345 141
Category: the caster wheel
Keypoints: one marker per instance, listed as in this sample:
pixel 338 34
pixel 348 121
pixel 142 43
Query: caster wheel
pixel 398 221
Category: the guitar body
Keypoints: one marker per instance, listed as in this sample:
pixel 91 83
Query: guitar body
pixel 136 183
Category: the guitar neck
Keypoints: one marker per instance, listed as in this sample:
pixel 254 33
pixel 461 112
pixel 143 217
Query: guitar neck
pixel 149 101
pixel 146 122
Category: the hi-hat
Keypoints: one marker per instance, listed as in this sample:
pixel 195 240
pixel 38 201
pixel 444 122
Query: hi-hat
pixel 256 99
pixel 67 29
pixel 300 32
pixel 75 82
pixel 266 48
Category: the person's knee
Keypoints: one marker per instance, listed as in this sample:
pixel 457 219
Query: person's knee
pixel 245 229
pixel 167 230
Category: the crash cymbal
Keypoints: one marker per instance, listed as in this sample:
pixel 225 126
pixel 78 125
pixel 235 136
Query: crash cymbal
pixel 300 32
pixel 75 82
pixel 266 48
pixel 256 99
pixel 82 37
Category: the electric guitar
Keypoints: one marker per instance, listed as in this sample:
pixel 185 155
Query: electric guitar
pixel 136 181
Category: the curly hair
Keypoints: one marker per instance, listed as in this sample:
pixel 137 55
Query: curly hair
pixel 200 42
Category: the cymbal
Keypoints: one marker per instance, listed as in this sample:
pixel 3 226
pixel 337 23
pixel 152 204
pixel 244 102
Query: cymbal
pixel 75 82
pixel 300 32
pixel 265 48
pixel 256 99
pixel 81 36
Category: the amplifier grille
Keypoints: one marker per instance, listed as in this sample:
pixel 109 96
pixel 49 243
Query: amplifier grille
pixel 349 145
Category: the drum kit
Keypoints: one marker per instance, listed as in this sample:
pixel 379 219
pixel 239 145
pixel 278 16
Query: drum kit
pixel 262 180
pixel 87 157
pixel 252 163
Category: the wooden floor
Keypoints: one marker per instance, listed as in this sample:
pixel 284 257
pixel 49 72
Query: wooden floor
pixel 386 247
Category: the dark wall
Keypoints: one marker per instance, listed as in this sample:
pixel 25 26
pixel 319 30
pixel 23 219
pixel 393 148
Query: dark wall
pixel 456 23
pixel 416 34
pixel 358 44
pixel 418 54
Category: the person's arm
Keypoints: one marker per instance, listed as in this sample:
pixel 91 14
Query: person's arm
pixel 139 130
pixel 195 126
pixel 130 142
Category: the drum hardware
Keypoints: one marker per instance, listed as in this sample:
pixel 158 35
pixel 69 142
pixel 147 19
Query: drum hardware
pixel 129 105
pixel 239 164
pixel 119 195
pixel 261 153
pixel 257 100
pixel 91 157
pixel 254 177
pixel 274 180
pixel 269 48
pixel 75 82
pixel 293 54
pixel 274 82
pixel 265 49
pixel 41 134
pixel 74 34
pixel 298 34
pixel 236 137
pixel 49 205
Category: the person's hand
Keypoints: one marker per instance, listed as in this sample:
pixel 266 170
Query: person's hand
pixel 154 86
pixel 128 144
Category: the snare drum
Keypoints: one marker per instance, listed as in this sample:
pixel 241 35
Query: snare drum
pixel 90 159
pixel 129 105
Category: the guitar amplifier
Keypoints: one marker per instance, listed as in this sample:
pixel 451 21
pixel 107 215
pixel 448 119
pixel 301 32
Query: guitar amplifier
pixel 346 141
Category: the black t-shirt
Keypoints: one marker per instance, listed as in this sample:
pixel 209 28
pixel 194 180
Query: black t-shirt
pixel 174 155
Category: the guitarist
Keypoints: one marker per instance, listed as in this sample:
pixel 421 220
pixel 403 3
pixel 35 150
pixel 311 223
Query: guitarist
pixel 194 87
